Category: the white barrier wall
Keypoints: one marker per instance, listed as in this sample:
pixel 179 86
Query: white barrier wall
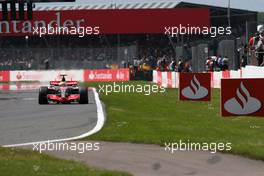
pixel 163 78
pixel 77 75
pixel 166 79
pixel 216 79
pixel 45 76
pixel 253 72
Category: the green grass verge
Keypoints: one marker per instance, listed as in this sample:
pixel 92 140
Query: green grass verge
pixel 161 117
pixel 14 162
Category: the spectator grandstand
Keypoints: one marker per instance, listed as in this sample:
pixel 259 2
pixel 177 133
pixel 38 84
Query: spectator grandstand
pixel 150 50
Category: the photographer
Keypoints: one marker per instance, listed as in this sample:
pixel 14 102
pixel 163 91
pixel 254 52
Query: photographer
pixel 260 49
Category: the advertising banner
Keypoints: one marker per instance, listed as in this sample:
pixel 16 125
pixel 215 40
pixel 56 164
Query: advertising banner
pixel 106 75
pixel 242 97
pixel 4 76
pixel 126 21
pixel 46 75
pixel 195 86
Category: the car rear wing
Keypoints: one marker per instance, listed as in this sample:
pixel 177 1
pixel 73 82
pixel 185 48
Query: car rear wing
pixel 54 83
pixel 68 83
pixel 72 83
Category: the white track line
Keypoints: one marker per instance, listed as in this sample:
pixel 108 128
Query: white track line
pixel 98 126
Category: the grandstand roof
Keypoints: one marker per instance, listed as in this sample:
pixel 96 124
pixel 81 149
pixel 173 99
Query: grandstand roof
pixel 256 5
pixel 83 4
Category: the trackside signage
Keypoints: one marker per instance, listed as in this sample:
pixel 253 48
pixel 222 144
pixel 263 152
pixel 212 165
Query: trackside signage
pixel 4 76
pixel 242 97
pixel 75 75
pixel 121 21
pixel 106 75
pixel 45 75
pixel 195 86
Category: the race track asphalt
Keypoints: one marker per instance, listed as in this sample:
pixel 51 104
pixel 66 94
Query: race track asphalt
pixel 23 120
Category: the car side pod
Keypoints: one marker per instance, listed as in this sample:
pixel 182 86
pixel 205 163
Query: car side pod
pixel 83 95
pixel 43 92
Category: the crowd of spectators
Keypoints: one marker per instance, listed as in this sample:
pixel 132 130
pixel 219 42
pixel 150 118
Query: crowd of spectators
pixel 9 62
pixel 16 64
pixel 256 47
pixel 161 59
pixel 153 52
pixel 173 65
pixel 217 63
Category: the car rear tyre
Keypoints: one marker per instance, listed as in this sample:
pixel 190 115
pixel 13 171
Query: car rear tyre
pixel 43 92
pixel 83 95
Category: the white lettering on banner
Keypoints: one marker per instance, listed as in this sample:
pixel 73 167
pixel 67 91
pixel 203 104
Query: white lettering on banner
pixel 46 76
pixel 106 75
pixel 78 75
pixel 28 76
pixel 91 76
pixel 103 76
pixel 120 75
pixel 29 26
pixel 94 75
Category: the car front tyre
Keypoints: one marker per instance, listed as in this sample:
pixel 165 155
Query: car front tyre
pixel 83 95
pixel 43 92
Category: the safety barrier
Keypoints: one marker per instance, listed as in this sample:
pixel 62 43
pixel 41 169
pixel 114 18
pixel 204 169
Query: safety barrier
pixel 78 75
pixel 166 79
pixel 171 79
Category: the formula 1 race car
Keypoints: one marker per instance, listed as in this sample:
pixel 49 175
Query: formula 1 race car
pixel 63 92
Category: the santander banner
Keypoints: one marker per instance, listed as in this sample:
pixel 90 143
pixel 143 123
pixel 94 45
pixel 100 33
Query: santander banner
pixel 45 75
pixel 101 21
pixel 195 86
pixel 106 75
pixel 76 75
pixel 242 97
pixel 4 76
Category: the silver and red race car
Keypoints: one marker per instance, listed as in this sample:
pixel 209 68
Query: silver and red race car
pixel 63 92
